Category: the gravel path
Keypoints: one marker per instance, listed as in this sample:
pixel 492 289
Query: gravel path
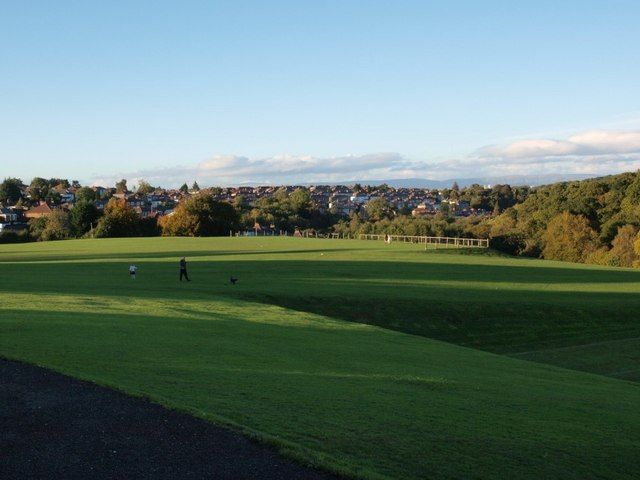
pixel 56 427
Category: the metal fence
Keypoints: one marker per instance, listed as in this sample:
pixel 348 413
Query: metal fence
pixel 451 242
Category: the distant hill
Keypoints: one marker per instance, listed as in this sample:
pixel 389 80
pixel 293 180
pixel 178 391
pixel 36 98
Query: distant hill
pixel 514 180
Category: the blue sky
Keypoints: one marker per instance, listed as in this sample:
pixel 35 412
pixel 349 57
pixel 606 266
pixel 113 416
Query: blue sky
pixel 228 92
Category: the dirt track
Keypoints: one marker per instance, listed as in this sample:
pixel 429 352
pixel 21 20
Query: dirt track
pixel 56 427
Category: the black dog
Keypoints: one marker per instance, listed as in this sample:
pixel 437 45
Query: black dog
pixel 233 280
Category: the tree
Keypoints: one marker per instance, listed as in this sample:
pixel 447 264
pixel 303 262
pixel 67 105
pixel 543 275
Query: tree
pixel 121 186
pixel 55 182
pixel 86 194
pixel 184 188
pixel 119 220
pixel 38 189
pixel 37 226
pixel 378 209
pixel 195 187
pixel 300 201
pixel 569 237
pixel 55 226
pixel 144 187
pixel 240 203
pixel 201 216
pixel 53 197
pixel 84 215
pixel 10 190
pixel 58 226
pixel 501 198
pixel 622 248
pixel 445 209
pixel 281 196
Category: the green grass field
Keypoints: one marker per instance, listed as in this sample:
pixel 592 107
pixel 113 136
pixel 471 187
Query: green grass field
pixel 294 354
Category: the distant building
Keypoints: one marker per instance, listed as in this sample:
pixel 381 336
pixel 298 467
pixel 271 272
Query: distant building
pixel 42 210
pixel 423 210
pixel 359 199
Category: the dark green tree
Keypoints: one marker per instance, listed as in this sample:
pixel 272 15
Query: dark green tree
pixel 53 197
pixel 39 189
pixel 84 215
pixel 10 190
pixel 378 209
pixel 86 194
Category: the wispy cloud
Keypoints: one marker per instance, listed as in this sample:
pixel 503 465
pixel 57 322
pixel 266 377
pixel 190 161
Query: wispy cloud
pixel 591 152
pixel 236 169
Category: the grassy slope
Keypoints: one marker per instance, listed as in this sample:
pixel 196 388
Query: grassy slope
pixel 346 395
pixel 498 304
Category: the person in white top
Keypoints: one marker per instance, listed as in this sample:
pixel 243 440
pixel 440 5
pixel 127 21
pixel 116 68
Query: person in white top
pixel 132 271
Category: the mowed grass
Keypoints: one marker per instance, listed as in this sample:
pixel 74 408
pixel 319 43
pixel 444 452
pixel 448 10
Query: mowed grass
pixel 529 308
pixel 351 397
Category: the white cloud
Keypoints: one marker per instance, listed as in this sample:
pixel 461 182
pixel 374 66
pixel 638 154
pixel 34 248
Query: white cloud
pixel 528 148
pixel 607 142
pixel 592 142
pixel 596 152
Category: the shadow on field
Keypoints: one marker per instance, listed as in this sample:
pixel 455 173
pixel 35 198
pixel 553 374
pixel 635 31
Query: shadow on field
pixel 35 257
pixel 468 304
pixel 356 399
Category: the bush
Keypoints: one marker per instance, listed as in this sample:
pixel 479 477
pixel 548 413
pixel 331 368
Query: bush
pixel 11 236
pixel 148 227
pixel 511 243
pixel 55 226
pixel 602 256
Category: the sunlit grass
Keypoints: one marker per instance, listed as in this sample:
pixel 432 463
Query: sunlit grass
pixel 373 402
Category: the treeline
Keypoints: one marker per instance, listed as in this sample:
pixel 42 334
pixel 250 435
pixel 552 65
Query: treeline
pixel 198 215
pixel 378 217
pixel 593 221
pixel 284 211
pixel 84 220
pixel 590 221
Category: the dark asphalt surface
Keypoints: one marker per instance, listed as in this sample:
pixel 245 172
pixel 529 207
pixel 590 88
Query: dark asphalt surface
pixel 56 427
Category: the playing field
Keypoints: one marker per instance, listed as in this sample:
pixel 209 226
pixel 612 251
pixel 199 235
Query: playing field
pixel 293 354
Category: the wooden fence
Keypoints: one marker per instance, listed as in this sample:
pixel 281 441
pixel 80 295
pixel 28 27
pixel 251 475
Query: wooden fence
pixel 446 242
pixel 450 242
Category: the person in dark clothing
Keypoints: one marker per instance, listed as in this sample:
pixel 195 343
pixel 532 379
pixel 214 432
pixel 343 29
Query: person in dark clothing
pixel 183 269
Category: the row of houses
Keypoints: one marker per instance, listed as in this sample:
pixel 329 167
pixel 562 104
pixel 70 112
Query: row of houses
pixel 14 218
pixel 342 199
